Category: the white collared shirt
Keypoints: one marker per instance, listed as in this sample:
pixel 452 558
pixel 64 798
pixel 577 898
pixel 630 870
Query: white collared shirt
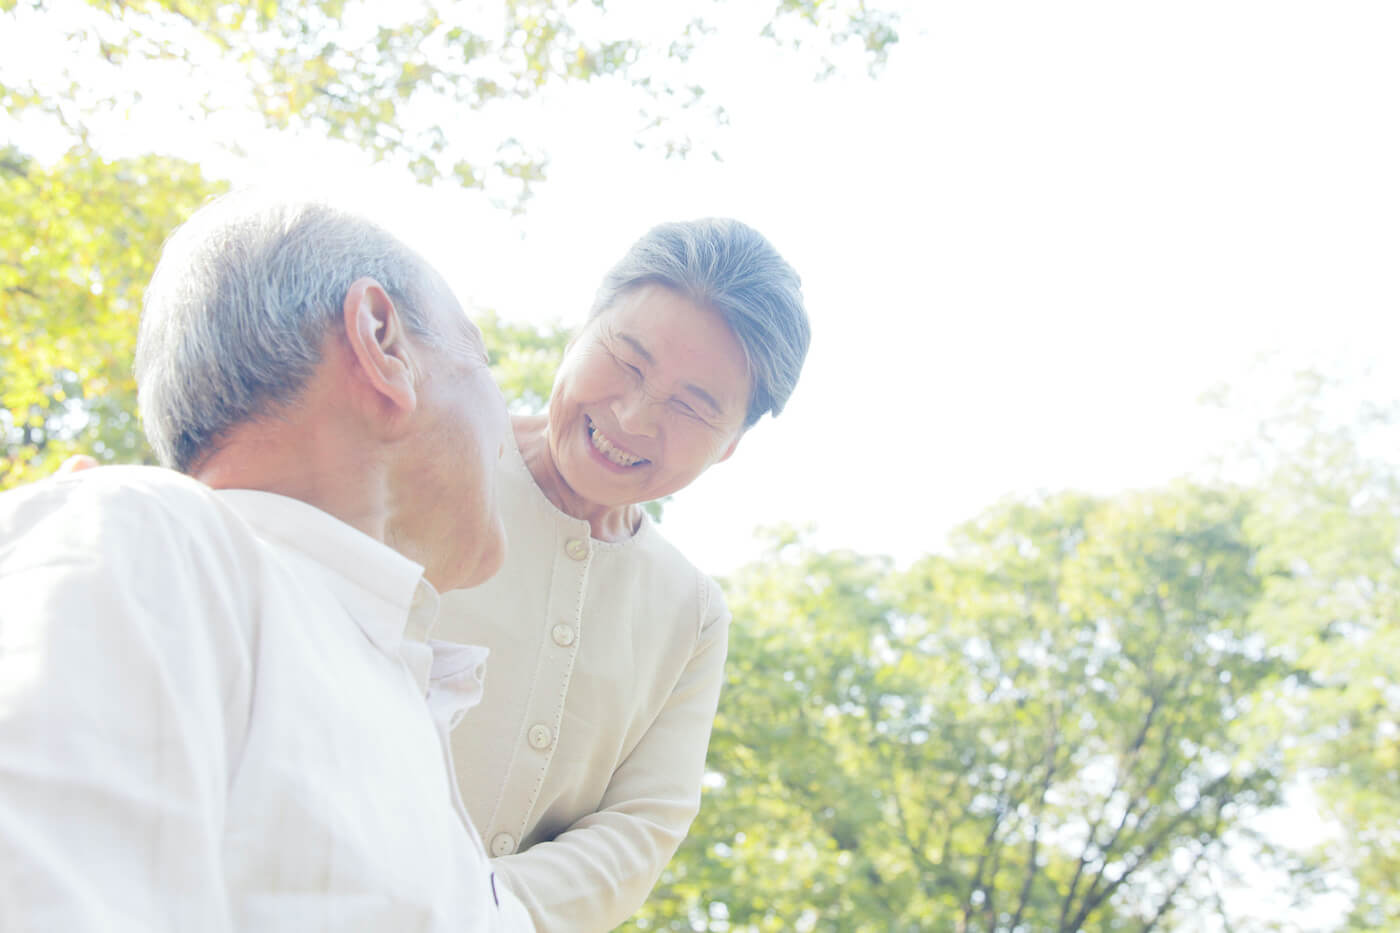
pixel 221 711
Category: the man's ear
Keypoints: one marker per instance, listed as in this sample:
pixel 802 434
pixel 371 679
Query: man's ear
pixel 376 335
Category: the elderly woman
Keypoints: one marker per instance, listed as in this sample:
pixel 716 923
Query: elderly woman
pixel 607 645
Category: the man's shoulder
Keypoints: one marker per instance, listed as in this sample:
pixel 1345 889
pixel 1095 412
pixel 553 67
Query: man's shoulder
pixel 113 488
pixel 113 508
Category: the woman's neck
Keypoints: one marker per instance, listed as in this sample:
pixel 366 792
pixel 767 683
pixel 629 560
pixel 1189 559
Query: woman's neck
pixel 605 523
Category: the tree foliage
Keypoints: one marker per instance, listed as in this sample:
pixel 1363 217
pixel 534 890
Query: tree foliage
pixel 74 258
pixel 1329 534
pixel 1046 729
pixel 523 359
pixel 405 81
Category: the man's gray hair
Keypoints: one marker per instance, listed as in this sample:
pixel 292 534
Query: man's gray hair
pixel 240 304
pixel 728 267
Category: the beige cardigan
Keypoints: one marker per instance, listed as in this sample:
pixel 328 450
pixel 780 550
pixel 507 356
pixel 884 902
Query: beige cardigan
pixel 582 765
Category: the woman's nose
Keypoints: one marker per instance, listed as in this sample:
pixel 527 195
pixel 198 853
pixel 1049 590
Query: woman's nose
pixel 635 413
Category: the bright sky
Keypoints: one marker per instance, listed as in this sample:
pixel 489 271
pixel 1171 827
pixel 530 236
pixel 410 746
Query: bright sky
pixel 1027 247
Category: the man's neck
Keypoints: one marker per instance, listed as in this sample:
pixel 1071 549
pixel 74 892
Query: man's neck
pixel 302 463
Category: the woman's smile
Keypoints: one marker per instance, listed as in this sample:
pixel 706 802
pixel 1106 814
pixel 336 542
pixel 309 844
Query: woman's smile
pixel 615 454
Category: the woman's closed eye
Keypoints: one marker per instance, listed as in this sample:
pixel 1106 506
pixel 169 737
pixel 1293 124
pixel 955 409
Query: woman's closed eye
pixel 623 364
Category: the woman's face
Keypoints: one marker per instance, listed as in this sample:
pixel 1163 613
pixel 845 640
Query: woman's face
pixel 652 392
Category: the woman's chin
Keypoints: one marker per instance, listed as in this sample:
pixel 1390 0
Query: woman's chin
pixel 605 486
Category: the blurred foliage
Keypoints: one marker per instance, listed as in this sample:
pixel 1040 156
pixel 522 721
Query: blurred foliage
pixel 875 30
pixel 1046 729
pixel 1329 533
pixel 77 248
pixel 383 76
pixel 1066 721
pixel 523 359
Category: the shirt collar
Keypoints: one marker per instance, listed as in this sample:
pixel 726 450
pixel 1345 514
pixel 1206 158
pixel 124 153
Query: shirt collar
pixel 382 590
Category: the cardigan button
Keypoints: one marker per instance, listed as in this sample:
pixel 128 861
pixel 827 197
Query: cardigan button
pixel 502 844
pixel 562 634
pixel 541 737
pixel 577 548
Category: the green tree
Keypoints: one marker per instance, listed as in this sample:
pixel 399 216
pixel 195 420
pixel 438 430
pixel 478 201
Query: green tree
pixel 523 359
pixel 1045 729
pixel 1329 542
pixel 394 79
pixel 71 276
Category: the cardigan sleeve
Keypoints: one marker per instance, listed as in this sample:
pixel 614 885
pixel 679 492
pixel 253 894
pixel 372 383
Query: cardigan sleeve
pixel 599 871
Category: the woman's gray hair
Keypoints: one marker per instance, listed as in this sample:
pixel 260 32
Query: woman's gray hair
pixel 728 267
pixel 240 304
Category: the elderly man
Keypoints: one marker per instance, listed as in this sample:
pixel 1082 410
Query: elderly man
pixel 219 704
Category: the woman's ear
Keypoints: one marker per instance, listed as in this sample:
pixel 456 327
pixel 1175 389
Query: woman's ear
pixel 376 334
pixel 733 446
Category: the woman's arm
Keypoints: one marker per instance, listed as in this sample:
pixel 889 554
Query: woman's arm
pixel 598 872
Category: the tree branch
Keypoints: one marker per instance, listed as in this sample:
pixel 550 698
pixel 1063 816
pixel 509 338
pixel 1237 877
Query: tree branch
pixel 1095 897
pixel 1166 904
pixel 1051 766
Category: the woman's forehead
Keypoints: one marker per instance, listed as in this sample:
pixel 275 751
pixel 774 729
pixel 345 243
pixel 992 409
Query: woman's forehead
pixel 695 344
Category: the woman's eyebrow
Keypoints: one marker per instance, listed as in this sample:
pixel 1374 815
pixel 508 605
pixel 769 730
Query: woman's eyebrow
pixel 705 397
pixel 636 345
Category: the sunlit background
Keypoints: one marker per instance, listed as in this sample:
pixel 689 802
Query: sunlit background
pixel 1045 246
pixel 1029 244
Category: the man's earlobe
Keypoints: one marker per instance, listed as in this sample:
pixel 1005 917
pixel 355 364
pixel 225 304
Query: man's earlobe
pixel 376 334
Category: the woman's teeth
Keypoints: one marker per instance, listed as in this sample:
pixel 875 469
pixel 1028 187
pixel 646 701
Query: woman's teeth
pixel 609 450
